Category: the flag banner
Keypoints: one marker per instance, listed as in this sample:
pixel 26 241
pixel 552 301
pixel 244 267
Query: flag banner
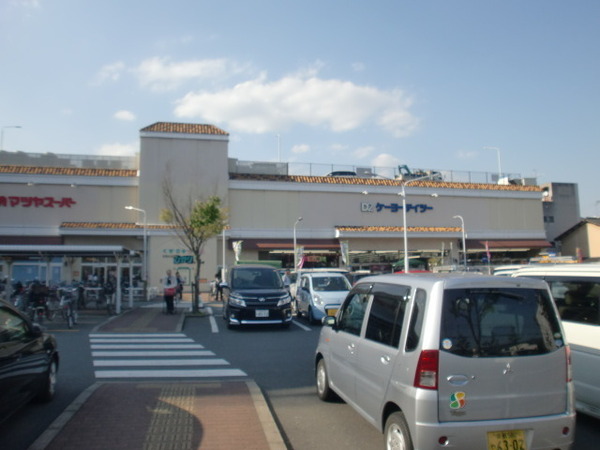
pixel 237 249
pixel 300 257
pixel 344 249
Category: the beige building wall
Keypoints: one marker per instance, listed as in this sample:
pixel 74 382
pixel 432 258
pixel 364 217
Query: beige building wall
pixel 195 164
pixel 586 239
pixel 87 203
pixel 271 212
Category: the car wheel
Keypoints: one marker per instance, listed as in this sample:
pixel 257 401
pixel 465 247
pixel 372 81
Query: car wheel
pixel 397 435
pixel 48 388
pixel 324 392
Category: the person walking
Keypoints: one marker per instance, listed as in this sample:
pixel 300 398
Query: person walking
pixel 219 287
pixel 169 291
pixel 179 291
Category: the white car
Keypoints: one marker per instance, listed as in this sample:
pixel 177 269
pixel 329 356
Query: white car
pixel 320 294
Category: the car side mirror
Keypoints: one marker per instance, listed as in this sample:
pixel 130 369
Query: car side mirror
pixel 36 330
pixel 329 321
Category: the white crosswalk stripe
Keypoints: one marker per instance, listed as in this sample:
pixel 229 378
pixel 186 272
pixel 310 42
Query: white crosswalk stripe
pixel 155 355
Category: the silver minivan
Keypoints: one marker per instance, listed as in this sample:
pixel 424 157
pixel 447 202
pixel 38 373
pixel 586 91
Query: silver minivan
pixel 438 361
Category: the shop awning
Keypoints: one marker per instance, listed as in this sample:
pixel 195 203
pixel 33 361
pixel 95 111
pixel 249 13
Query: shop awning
pixel 288 245
pixel 526 244
pixel 62 250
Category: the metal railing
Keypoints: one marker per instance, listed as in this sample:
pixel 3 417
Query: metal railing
pixel 318 169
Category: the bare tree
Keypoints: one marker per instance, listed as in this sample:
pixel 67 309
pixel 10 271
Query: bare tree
pixel 194 221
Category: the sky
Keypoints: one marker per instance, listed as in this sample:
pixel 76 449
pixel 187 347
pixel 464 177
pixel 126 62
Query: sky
pixel 462 85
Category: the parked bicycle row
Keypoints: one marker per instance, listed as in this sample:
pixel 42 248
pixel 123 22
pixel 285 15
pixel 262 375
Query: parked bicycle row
pixel 42 302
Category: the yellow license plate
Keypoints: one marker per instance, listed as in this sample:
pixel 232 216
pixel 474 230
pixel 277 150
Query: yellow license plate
pixel 506 440
pixel 332 312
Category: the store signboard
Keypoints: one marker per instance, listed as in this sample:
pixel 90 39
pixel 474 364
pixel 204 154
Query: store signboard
pixel 394 207
pixel 14 201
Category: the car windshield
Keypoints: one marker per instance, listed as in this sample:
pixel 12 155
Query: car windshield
pixel 330 284
pixel 499 322
pixel 256 278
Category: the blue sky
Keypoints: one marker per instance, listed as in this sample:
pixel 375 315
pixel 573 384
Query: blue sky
pixel 431 84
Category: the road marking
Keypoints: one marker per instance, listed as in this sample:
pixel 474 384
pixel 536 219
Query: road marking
pixel 304 327
pixel 137 340
pixel 137 335
pixel 160 362
pixel 204 373
pixel 152 353
pixel 168 355
pixel 144 346
pixel 213 323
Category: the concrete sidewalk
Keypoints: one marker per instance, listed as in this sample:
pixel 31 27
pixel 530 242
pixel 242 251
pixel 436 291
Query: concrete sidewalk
pixel 163 415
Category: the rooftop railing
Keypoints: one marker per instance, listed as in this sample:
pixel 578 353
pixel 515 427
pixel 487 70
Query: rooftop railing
pixel 317 169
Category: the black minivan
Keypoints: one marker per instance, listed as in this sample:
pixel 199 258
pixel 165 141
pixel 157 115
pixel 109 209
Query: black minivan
pixel 254 294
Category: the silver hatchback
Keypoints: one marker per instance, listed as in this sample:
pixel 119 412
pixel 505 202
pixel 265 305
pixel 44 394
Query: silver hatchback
pixel 439 361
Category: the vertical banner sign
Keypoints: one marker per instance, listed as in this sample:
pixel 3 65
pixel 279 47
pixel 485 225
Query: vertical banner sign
pixel 300 257
pixel 237 249
pixel 344 252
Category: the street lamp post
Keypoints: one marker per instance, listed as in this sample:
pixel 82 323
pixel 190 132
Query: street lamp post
pixel 295 252
pixel 499 165
pixel 2 134
pixel 403 195
pixel 462 222
pixel 145 258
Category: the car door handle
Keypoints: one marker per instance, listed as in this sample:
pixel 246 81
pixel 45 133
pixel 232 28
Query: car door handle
pixel 459 380
pixel 385 359
pixel 352 347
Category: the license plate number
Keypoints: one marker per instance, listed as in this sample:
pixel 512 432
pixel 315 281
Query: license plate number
pixel 332 312
pixel 506 440
pixel 262 313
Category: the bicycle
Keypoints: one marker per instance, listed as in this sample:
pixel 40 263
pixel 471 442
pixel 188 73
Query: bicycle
pixel 68 311
pixel 111 307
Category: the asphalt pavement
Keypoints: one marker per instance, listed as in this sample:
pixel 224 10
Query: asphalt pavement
pixel 163 415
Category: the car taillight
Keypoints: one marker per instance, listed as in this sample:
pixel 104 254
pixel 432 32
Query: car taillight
pixel 426 376
pixel 569 368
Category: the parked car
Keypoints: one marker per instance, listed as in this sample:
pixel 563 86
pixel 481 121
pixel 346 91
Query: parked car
pixel 451 361
pixel 320 294
pixel 576 292
pixel 254 294
pixel 28 361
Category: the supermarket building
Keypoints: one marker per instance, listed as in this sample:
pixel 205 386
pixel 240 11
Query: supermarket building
pixel 63 217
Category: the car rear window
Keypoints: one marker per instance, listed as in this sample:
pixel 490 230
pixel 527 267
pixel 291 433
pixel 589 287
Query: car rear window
pixel 499 322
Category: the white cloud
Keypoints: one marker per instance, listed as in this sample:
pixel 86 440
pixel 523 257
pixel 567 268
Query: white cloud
pixel 385 164
pixel 300 148
pixel 124 115
pixel 109 72
pixel 32 4
pixel 160 74
pixel 363 152
pixel 467 154
pixel 118 149
pixel 259 106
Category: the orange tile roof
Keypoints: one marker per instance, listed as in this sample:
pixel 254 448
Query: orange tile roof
pixel 185 128
pixel 387 229
pixel 381 182
pixel 67 171
pixel 111 226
